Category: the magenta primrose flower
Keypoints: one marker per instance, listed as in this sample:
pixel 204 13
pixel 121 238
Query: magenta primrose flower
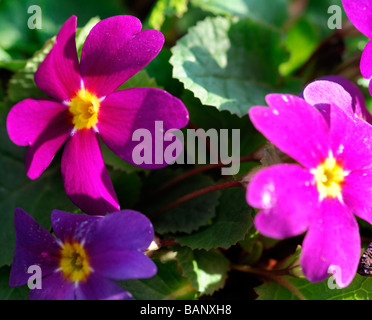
pixel 331 182
pixel 89 253
pixel 359 13
pixel 85 105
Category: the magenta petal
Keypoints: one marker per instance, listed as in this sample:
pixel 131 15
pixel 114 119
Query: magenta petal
pixel 85 176
pixel 34 246
pixel 288 198
pixel 332 240
pixel 99 288
pixel 125 111
pixel 29 118
pixel 59 75
pixel 294 126
pixel 351 138
pixel 114 51
pixel 365 61
pixel 359 13
pixel 357 193
pixel 323 92
pixel 54 287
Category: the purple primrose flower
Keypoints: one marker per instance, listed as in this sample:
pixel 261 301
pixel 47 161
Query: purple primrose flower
pixel 331 182
pixel 89 253
pixel 85 105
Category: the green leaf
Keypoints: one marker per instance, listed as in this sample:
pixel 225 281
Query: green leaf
pixel 9 293
pixel 22 84
pixel 165 8
pixel 82 33
pixel 188 216
pixel 230 64
pixel 291 288
pixel 140 80
pixel 37 197
pixel 167 284
pixel 232 222
pixel 268 11
pixel 207 270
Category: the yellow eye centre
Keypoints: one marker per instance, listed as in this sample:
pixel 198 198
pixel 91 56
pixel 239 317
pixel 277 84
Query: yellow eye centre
pixel 74 262
pixel 84 108
pixel 329 177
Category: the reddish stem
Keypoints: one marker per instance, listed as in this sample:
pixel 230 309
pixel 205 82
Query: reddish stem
pixel 197 193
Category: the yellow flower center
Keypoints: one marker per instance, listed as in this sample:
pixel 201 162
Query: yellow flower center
pixel 74 262
pixel 84 108
pixel 329 177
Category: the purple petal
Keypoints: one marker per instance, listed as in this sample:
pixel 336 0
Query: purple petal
pixel 85 176
pixel 125 111
pixel 29 118
pixel 122 265
pixel 357 193
pixel 294 126
pixel 323 92
pixel 58 75
pixel 121 230
pixel 54 287
pixel 71 226
pixel 359 13
pixel 351 138
pixel 332 240
pixel 288 198
pixel 100 288
pixel 114 51
pixel 34 246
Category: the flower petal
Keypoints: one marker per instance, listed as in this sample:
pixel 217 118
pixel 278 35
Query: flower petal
pixel 59 75
pixel 54 287
pixel 85 176
pixel 351 138
pixel 294 126
pixel 365 61
pixel 29 118
pixel 288 197
pixel 114 51
pixel 122 230
pixel 357 193
pixel 34 246
pixel 332 241
pixel 125 111
pixel 359 13
pixel 324 92
pixel 41 153
pixel 122 265
pixel 67 226
pixel 100 288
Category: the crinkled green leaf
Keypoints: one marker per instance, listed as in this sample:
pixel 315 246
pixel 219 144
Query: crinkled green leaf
pixel 186 217
pixel 22 84
pixel 167 284
pixel 230 64
pixel 294 289
pixel 268 11
pixel 207 270
pixel 233 220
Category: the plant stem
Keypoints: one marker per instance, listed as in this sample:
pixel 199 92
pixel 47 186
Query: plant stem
pixel 197 193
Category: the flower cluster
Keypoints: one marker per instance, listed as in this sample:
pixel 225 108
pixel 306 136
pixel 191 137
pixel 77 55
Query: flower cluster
pixel 326 131
pixel 86 104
